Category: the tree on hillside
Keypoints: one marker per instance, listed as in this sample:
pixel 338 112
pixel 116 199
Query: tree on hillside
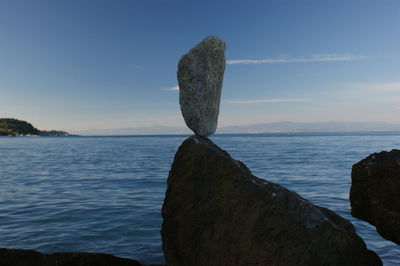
pixel 14 126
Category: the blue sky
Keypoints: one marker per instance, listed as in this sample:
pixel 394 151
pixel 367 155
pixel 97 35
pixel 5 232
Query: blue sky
pixel 87 64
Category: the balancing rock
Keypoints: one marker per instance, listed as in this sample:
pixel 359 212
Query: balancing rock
pixel 200 76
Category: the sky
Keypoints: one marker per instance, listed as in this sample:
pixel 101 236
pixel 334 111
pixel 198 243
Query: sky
pixel 103 64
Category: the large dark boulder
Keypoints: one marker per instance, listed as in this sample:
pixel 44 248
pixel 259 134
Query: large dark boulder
pixel 375 192
pixel 19 257
pixel 217 213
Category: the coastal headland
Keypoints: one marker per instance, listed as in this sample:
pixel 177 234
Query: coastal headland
pixel 15 127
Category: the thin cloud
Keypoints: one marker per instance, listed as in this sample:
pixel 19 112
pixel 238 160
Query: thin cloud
pixel 385 86
pixel 313 58
pixel 175 88
pixel 270 100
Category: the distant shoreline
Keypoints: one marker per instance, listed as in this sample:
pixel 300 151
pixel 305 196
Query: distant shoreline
pixel 253 134
pixel 273 127
pixel 11 127
pixel 34 136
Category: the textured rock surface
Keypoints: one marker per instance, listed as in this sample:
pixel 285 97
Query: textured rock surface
pixel 375 192
pixel 17 257
pixel 200 76
pixel 217 213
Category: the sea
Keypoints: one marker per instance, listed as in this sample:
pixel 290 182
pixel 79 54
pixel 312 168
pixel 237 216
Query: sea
pixel 104 194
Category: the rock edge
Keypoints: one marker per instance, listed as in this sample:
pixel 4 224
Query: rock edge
pixel 26 257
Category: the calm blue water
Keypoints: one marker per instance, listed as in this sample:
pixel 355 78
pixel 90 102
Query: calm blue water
pixel 104 194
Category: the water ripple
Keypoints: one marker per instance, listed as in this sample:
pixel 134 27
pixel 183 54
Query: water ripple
pixel 104 194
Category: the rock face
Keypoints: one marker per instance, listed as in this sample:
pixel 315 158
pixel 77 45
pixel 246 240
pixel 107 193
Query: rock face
pixel 18 257
pixel 217 213
pixel 375 192
pixel 200 76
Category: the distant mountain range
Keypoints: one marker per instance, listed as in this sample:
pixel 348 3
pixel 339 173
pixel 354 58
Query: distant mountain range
pixel 293 127
pixel 156 130
pixel 276 127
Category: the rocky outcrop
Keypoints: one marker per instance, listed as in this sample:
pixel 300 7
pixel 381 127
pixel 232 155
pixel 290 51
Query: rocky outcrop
pixel 200 76
pixel 217 213
pixel 18 257
pixel 375 192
